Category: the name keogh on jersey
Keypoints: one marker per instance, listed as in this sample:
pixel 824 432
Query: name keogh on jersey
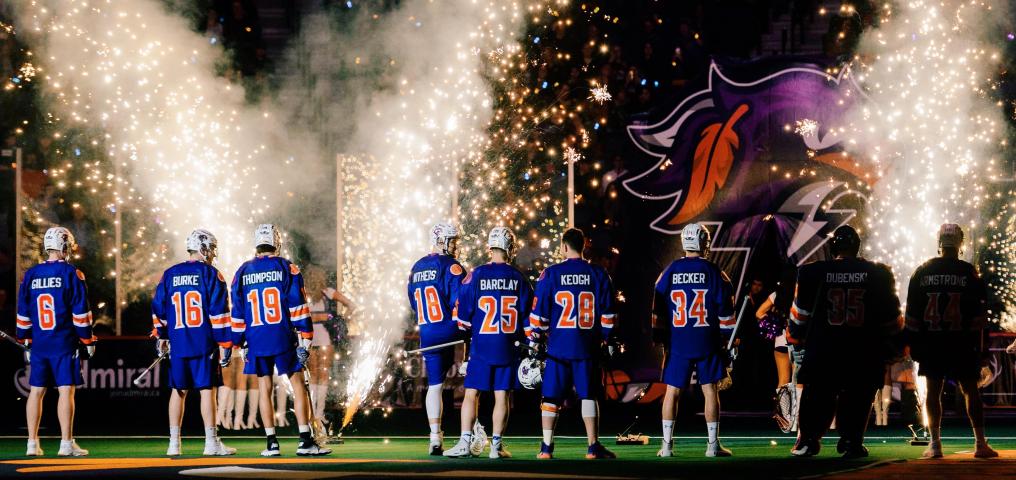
pixel 945 280
pixel 688 278
pixel 185 280
pixel 48 282
pixel 576 279
pixel 498 284
pixel 424 276
pixel 261 277
pixel 846 277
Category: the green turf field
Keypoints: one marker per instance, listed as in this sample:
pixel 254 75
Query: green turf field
pixel 753 458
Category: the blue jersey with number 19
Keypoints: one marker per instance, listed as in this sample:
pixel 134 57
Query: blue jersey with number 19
pixel 493 300
pixel 695 300
pixel 53 309
pixel 574 306
pixel 433 288
pixel 191 309
pixel 268 303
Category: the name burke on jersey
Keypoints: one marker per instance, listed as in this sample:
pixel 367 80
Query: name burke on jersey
pixel 261 277
pixel 185 280
pixel 498 284
pixel 47 282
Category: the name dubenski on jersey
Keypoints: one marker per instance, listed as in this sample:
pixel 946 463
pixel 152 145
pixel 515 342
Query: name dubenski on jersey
pixel 846 277
pixel 424 276
pixel 47 282
pixel 261 277
pixel 498 284
pixel 185 280
pixel 683 278
pixel 575 279
pixel 944 280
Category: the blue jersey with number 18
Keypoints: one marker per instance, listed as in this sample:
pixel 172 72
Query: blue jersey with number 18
pixel 433 289
pixel 493 300
pixel 191 309
pixel 268 303
pixel 574 306
pixel 695 300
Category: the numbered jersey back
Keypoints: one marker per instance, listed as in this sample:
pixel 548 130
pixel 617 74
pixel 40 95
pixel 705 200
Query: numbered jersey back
pixel 433 289
pixel 493 301
pixel 695 298
pixel 53 306
pixel 574 305
pixel 190 308
pixel 946 296
pixel 268 302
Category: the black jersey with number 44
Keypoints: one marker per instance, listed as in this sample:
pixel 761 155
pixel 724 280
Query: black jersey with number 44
pixel 946 305
pixel 843 312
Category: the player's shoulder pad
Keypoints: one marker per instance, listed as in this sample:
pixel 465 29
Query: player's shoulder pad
pixel 455 268
pixel 293 269
pixel 79 273
pixel 543 274
pixel 469 277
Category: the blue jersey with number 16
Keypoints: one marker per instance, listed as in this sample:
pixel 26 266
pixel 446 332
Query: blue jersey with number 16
pixel 191 309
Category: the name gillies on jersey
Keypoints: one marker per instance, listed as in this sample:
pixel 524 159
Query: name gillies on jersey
pixel 47 282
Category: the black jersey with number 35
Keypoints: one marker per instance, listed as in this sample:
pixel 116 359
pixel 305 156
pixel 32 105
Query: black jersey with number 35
pixel 843 311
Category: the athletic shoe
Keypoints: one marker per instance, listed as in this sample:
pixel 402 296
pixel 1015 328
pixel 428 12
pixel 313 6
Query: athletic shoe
pixel 714 449
pixel 851 449
pixel 983 450
pixel 934 450
pixel 218 449
pixel 597 451
pixel 436 444
pixel 174 449
pixel 273 448
pixel 666 449
pixel 436 450
pixel 71 449
pixel 806 448
pixel 546 451
pixel 497 450
pixel 307 448
pixel 460 450
pixel 33 450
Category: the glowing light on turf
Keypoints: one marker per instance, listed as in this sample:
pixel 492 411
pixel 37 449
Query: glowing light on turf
pixel 928 129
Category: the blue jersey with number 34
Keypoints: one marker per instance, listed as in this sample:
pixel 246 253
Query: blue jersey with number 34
pixel 494 300
pixel 695 299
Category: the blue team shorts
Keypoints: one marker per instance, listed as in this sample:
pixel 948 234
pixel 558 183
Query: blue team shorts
pixel 56 371
pixel 485 377
pixel 203 372
pixel 437 364
pixel 264 366
pixel 677 372
pixel 560 376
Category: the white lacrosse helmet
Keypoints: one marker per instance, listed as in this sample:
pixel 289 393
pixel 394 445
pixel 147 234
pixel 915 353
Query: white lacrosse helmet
pixel 202 242
pixel 268 234
pixel 950 235
pixel 502 238
pixel 694 238
pixel 444 237
pixel 530 372
pixel 479 440
pixel 59 239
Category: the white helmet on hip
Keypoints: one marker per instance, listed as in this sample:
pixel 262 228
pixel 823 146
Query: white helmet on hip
pixel 502 238
pixel 950 235
pixel 444 237
pixel 694 238
pixel 58 239
pixel 530 372
pixel 268 235
pixel 202 242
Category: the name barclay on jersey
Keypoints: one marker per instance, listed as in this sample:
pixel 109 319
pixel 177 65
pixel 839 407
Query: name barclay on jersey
pixel 47 282
pixel 499 284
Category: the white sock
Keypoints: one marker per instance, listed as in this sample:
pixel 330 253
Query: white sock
pixel 435 433
pixel 433 400
pixel 304 428
pixel 467 436
pixel 668 431
pixel 714 431
pixel 548 436
pixel 174 433
pixel 269 431
pixel 210 434
pixel 66 443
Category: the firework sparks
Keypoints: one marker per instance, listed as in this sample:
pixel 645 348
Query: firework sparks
pixel 599 94
pixel 806 127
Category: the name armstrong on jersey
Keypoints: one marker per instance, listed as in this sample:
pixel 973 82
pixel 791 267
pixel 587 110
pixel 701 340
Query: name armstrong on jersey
pixel 185 280
pixel 576 279
pixel 944 280
pixel 688 278
pixel 424 276
pixel 498 284
pixel 48 282
pixel 846 277
pixel 261 277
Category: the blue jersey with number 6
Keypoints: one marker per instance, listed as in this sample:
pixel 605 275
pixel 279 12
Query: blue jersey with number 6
pixel 695 300
pixel 493 302
pixel 53 309
pixel 268 303
pixel 433 288
pixel 574 306
pixel 191 309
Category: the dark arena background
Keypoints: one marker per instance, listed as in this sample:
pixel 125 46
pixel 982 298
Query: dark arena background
pixel 356 126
